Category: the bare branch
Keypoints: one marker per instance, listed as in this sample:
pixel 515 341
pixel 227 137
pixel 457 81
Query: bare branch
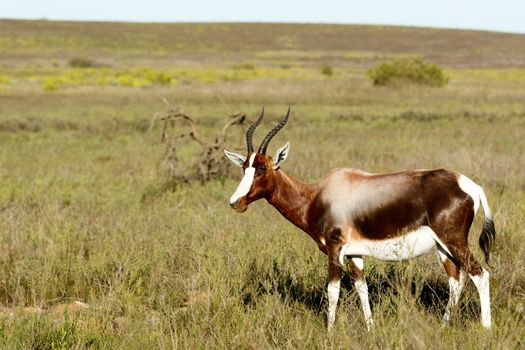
pixel 209 163
pixel 237 119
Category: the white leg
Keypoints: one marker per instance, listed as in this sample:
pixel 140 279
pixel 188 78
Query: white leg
pixel 455 287
pixel 482 284
pixel 333 297
pixel 362 290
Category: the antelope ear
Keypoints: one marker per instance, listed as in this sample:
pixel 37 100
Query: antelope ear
pixel 280 155
pixel 236 158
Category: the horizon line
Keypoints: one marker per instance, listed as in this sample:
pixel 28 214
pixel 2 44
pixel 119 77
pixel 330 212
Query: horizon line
pixel 415 26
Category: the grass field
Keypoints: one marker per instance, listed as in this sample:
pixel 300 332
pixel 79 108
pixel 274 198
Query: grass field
pixel 80 151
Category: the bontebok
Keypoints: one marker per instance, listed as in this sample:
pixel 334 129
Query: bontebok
pixel 352 213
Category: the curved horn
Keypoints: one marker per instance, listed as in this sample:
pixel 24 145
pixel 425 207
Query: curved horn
pixel 251 129
pixel 272 133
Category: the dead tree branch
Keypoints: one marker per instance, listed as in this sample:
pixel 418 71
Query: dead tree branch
pixel 209 162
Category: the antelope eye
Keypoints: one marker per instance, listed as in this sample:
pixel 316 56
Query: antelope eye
pixel 261 169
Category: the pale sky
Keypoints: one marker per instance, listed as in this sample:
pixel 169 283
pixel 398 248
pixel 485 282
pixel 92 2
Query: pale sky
pixel 496 15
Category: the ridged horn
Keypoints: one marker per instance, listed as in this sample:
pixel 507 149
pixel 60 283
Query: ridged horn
pixel 273 132
pixel 251 129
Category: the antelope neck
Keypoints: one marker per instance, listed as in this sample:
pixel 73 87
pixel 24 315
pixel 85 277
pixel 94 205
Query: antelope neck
pixel 292 198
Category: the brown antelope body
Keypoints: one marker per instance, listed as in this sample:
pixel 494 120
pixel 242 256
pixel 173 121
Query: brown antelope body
pixel 392 217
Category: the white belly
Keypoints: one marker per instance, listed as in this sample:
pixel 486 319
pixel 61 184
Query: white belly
pixel 410 245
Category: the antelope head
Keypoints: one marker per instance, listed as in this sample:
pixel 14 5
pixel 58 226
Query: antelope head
pixel 259 169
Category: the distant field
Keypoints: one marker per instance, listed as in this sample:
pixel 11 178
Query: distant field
pixel 305 44
pixel 82 217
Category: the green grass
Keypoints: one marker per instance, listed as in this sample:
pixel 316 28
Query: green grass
pixel 182 269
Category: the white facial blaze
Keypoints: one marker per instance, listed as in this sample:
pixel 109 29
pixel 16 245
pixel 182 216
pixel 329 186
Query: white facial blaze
pixel 246 182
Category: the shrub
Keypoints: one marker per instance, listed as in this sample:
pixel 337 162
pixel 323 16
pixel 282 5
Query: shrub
pixel 4 80
pixel 242 66
pixel 132 80
pixel 50 84
pixel 327 70
pixel 407 70
pixel 156 77
pixel 79 62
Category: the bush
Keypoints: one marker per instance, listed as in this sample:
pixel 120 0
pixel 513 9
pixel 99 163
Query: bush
pixel 4 80
pixel 132 80
pixel 79 62
pixel 407 70
pixel 243 66
pixel 156 77
pixel 50 84
pixel 327 70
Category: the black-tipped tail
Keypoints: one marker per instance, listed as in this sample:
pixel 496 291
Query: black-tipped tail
pixel 487 237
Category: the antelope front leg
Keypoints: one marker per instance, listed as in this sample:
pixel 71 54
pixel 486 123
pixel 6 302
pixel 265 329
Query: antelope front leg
pixel 335 272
